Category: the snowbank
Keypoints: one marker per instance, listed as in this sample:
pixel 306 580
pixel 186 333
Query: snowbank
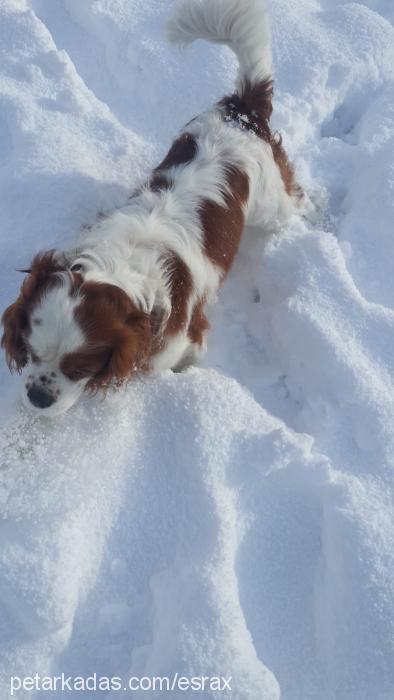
pixel 236 520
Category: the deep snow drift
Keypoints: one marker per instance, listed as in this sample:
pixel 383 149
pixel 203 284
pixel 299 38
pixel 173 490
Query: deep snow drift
pixel 235 520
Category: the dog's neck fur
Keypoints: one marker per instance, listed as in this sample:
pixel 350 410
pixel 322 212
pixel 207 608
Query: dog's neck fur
pixel 138 271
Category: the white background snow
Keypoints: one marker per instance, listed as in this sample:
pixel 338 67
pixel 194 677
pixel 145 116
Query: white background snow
pixel 236 519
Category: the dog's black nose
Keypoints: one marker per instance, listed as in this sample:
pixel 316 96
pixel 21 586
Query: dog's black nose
pixel 39 397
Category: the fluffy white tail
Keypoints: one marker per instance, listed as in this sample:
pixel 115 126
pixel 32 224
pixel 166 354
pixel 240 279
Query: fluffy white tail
pixel 241 24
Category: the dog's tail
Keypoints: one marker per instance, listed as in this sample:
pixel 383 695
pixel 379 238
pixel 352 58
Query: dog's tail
pixel 241 24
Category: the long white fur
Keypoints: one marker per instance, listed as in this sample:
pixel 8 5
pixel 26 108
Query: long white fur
pixel 55 333
pixel 128 248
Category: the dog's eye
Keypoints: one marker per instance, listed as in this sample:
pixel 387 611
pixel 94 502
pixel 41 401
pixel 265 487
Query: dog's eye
pixel 76 268
pixel 78 373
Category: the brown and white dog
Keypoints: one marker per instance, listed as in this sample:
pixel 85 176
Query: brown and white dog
pixel 130 297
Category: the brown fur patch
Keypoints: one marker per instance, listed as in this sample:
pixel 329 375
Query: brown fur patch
pixel 118 338
pixel 223 226
pixel 199 324
pixel 286 168
pixel 250 111
pixel 181 289
pixel 159 181
pixel 182 151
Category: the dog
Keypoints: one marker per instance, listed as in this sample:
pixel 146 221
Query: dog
pixel 131 295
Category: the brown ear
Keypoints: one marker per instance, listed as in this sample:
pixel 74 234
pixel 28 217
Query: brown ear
pixel 15 321
pixel 137 343
pixel 131 347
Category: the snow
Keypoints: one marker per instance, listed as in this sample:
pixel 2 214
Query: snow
pixel 237 519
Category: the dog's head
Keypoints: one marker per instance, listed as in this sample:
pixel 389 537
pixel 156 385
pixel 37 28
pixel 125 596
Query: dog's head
pixel 71 335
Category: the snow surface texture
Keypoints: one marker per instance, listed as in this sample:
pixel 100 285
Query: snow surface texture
pixel 237 519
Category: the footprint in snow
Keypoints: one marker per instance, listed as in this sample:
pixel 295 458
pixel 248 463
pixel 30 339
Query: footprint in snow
pixel 344 123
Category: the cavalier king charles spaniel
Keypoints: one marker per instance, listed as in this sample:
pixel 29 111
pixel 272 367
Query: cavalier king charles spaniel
pixel 130 296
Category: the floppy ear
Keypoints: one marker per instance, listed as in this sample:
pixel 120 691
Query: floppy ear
pixel 131 348
pixel 15 321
